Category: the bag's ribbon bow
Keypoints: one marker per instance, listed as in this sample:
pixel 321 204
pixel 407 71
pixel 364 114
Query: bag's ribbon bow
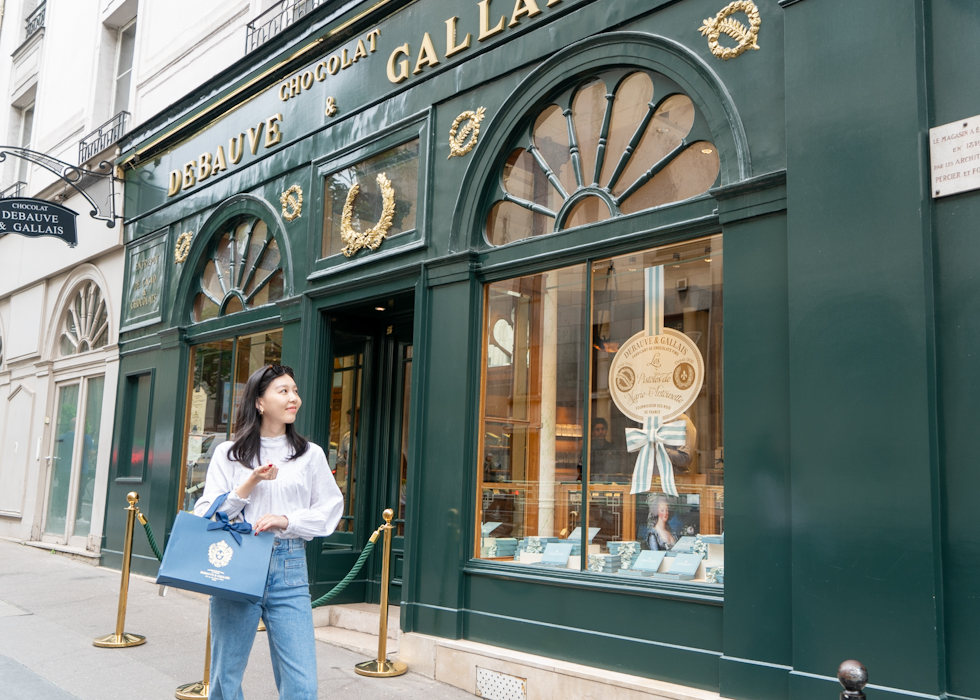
pixel 652 440
pixel 224 523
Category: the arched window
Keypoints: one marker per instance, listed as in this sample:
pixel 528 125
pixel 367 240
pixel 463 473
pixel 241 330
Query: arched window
pixel 243 272
pixel 85 325
pixel 617 143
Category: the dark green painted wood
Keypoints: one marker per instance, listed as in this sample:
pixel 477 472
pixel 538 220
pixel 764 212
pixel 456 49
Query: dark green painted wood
pixel 864 467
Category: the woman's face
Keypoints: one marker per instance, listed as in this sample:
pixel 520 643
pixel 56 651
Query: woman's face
pixel 281 400
pixel 663 512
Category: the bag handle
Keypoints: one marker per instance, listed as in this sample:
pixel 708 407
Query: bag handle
pixel 223 523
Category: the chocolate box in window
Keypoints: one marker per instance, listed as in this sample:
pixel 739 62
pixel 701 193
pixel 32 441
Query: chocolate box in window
pixel 683 567
pixel 556 554
pixel 685 545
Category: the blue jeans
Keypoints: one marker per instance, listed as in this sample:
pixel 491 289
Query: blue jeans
pixel 285 608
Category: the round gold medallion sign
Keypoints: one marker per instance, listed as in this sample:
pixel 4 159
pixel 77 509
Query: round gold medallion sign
pixel 656 375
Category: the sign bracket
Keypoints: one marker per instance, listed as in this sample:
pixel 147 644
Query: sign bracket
pixel 74 176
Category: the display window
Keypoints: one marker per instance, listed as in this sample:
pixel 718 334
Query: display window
pixel 219 370
pixel 602 436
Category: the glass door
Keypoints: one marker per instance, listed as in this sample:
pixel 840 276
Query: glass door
pixel 72 462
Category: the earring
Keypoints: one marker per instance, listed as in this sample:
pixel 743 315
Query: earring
pixel 261 411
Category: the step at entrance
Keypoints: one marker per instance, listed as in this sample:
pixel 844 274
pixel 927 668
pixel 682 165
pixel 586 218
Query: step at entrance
pixel 355 627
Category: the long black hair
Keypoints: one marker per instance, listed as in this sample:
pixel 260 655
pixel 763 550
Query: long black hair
pixel 248 422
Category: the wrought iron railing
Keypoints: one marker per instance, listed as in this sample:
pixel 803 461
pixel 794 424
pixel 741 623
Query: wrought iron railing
pixel 18 189
pixel 103 137
pixel 276 20
pixel 35 21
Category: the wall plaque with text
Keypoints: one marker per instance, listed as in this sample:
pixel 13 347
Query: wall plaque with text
pixel 147 273
pixel 954 157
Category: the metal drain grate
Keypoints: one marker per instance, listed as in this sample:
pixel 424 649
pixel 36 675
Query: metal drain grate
pixel 494 685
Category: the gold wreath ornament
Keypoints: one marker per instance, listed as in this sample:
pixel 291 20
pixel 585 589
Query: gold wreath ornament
pixel 458 143
pixel 722 23
pixel 331 107
pixel 183 247
pixel 292 203
pixel 373 237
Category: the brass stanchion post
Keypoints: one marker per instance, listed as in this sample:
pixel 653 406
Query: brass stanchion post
pixel 200 689
pixel 381 667
pixel 121 638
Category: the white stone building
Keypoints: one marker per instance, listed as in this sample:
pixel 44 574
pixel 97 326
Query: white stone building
pixel 76 75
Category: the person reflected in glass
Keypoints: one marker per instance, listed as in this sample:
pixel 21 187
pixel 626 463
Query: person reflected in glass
pixel 659 534
pixel 606 460
pixel 283 483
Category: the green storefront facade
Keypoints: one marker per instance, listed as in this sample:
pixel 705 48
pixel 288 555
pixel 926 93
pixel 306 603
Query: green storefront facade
pixel 453 356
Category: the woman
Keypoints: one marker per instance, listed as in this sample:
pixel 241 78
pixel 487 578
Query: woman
pixel 659 536
pixel 278 481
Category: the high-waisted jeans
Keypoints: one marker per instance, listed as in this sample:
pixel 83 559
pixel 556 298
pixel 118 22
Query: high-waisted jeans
pixel 285 608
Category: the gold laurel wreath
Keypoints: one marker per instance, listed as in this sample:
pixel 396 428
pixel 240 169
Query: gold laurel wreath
pixel 722 23
pixel 373 237
pixel 183 247
pixel 289 201
pixel 458 145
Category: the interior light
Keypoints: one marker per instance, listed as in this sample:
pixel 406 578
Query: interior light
pixel 707 260
pixel 706 150
pixel 379 308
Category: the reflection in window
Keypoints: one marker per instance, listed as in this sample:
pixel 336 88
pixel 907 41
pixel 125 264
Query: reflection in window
pixel 550 469
pixel 617 144
pixel 345 421
pixel 401 166
pixel 244 271
pixel 220 370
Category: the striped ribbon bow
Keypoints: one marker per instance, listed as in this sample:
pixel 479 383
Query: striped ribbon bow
pixel 651 440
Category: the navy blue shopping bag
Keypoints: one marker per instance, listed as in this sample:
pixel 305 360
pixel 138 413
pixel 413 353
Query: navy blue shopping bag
pixel 218 557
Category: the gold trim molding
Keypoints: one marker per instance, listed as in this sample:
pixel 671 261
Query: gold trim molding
pixel 292 203
pixel 722 23
pixel 182 247
pixel 373 237
pixel 458 143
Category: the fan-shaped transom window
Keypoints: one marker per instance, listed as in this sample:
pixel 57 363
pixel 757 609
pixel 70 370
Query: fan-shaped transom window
pixel 619 143
pixel 243 272
pixel 85 324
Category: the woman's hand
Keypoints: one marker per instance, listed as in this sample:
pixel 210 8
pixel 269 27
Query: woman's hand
pixel 267 522
pixel 267 472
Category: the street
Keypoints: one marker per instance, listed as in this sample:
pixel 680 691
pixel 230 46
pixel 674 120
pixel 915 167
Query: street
pixel 53 606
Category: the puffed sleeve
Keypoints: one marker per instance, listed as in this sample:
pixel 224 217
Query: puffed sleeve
pixel 220 479
pixel 326 502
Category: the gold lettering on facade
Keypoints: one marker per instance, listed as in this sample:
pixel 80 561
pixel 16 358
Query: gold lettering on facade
pixel 273 134
pixel 144 279
pixel 452 47
pixel 402 73
pixel 295 85
pixel 372 38
pixel 321 75
pixel 333 65
pixel 427 55
pixel 307 80
pixel 207 164
pixel 236 148
pixel 485 30
pixel 521 8
pixel 344 61
pixel 360 51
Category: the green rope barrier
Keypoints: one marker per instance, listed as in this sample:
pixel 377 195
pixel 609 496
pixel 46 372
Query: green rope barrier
pixel 322 600
pixel 333 592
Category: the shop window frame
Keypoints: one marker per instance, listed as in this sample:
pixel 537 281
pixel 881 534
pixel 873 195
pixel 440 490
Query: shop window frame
pixel 128 389
pixel 613 237
pixel 401 243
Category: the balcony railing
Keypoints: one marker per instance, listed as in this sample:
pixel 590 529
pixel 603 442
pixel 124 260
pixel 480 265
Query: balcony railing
pixel 103 137
pixel 18 189
pixel 35 21
pixel 276 20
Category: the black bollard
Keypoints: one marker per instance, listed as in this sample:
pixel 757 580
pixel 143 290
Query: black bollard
pixel 853 676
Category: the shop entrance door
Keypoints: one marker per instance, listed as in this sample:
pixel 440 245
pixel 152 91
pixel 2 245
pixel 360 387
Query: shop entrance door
pixel 369 390
pixel 72 462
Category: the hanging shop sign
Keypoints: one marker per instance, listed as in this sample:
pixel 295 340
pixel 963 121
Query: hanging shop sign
pixel 37 217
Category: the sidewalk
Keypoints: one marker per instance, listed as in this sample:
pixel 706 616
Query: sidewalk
pixel 52 607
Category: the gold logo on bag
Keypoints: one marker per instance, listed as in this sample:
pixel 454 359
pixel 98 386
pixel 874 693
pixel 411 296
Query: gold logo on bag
pixel 219 554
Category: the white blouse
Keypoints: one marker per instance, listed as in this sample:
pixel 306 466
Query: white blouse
pixel 304 490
